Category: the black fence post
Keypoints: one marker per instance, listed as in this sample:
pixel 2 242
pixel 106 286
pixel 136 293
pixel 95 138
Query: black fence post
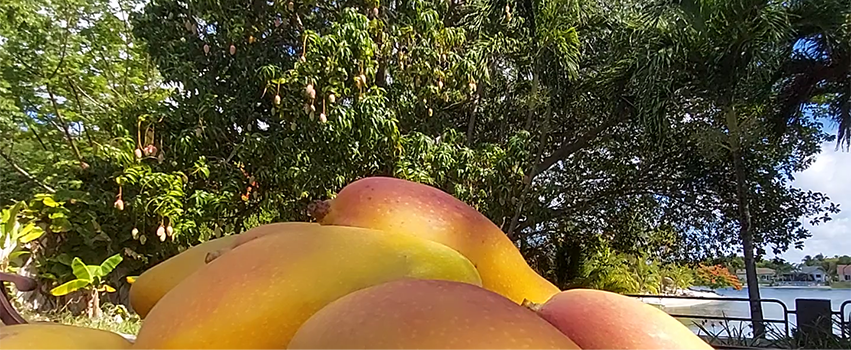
pixel 814 317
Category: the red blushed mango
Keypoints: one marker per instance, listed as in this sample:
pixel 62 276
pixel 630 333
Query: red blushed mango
pixel 396 205
pixel 596 319
pixel 427 314
pixel 257 295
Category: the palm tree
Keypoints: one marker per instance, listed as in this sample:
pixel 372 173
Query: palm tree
pixel 820 70
pixel 731 48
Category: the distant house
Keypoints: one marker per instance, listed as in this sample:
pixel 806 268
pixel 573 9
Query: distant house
pixel 815 273
pixel 764 275
pixel 843 272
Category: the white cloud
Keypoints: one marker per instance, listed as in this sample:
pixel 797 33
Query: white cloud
pixel 829 174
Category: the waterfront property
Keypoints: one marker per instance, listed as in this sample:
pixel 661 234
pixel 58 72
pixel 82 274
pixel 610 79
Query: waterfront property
pixel 843 272
pixel 764 275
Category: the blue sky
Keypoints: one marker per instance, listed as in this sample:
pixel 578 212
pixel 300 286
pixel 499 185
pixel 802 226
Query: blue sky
pixel 831 175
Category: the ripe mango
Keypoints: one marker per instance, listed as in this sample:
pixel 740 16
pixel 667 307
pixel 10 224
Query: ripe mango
pixel 597 319
pixel 396 205
pixel 155 282
pixel 259 293
pixel 427 314
pixel 58 336
pixel 260 231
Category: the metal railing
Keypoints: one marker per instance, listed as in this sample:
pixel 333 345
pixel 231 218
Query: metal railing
pixel 844 324
pixel 844 317
pixel 784 321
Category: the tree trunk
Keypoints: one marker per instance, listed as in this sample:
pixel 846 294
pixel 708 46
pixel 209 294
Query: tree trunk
pixel 745 225
pixel 93 310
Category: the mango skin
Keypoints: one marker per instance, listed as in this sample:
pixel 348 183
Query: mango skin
pixel 396 205
pixel 58 336
pixel 155 282
pixel 427 314
pixel 597 319
pixel 259 293
pixel 260 231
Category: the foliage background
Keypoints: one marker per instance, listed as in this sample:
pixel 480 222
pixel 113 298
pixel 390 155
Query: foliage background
pixel 606 138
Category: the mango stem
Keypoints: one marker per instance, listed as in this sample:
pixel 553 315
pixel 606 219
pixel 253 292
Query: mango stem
pixel 531 305
pixel 319 209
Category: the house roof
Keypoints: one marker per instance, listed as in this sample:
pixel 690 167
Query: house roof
pixel 843 269
pixel 760 271
pixel 811 269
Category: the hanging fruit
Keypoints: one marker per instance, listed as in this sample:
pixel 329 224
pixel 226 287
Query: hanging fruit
pixel 277 99
pixel 189 26
pixel 332 98
pixel 161 233
pixel 375 12
pixel 119 204
pixel 440 84
pixel 143 239
pixel 206 49
pixel 292 126
pixel 430 112
pixel 290 6
pixel 309 91
pixel 138 153
pixel 322 118
pixel 232 49
pixel 169 230
pixel 134 233
pixel 508 12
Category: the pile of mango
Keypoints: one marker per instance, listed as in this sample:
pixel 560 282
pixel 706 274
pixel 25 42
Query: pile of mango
pixel 390 264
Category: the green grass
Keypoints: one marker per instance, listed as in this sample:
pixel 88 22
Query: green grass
pixel 841 284
pixel 115 318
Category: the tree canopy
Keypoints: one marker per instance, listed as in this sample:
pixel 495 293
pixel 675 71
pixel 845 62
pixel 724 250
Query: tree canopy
pixel 652 127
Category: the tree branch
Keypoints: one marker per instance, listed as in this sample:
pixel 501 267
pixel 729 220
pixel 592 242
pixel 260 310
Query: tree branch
pixel 24 173
pixel 567 149
pixel 64 126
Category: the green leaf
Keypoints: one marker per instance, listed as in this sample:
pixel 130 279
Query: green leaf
pixel 64 259
pixel 10 217
pixel 69 287
pixel 48 201
pixel 109 264
pixel 81 270
pixel 30 233
pixel 18 253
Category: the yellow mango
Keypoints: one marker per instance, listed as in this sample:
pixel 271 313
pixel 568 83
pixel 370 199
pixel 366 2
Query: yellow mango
pixel 155 282
pixel 395 205
pixel 58 336
pixel 258 294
